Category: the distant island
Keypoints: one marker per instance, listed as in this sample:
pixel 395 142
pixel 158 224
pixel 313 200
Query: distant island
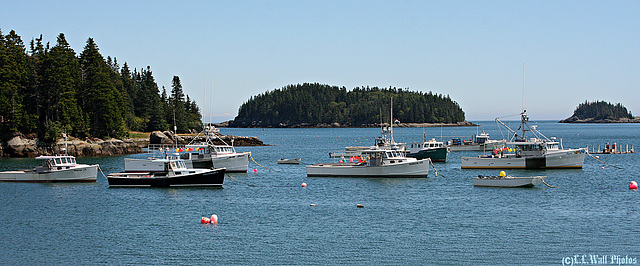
pixel 320 105
pixel 601 112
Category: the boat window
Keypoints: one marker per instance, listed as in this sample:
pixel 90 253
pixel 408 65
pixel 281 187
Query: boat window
pixel 57 161
pixel 173 165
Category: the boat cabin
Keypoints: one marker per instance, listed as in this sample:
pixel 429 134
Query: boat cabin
pixel 196 152
pixel 57 162
pixel 432 144
pixel 223 149
pixel 534 147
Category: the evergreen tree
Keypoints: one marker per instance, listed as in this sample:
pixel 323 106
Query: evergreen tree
pixel 61 83
pixel 14 79
pixel 100 99
pixel 177 105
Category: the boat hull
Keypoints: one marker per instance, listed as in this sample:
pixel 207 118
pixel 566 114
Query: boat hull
pixel 436 155
pixel 234 163
pixel 508 181
pixel 200 178
pixel 563 159
pixel 418 169
pixel 80 173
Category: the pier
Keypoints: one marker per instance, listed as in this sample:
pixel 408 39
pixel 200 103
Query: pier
pixel 610 149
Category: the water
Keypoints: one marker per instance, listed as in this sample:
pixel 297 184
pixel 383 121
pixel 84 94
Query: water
pixel 435 220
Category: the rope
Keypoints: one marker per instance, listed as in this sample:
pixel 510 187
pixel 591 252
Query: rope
pixel 260 164
pixel 105 177
pixel 548 184
pixel 602 161
pixel 241 181
pixel 434 168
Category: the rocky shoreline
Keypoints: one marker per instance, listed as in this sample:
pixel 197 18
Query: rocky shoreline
pixel 574 119
pixel 25 146
pixel 21 146
pixel 168 137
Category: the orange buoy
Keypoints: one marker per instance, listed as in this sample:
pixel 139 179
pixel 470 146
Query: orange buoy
pixel 633 185
pixel 214 219
pixel 304 184
pixel 205 220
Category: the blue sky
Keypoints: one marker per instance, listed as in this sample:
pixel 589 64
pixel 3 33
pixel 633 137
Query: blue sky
pixel 473 51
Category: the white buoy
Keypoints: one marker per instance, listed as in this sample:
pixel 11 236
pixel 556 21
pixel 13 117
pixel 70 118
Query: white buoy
pixel 304 184
pixel 214 219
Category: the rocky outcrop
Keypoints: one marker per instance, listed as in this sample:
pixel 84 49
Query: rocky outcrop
pixel 575 119
pixel 20 146
pixel 157 138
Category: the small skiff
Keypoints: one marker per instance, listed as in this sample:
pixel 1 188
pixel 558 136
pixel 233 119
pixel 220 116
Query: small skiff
pixel 507 181
pixel 290 161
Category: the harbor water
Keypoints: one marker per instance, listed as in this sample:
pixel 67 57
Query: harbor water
pixel 267 217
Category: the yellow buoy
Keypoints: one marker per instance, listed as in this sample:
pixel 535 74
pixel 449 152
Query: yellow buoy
pixel 502 174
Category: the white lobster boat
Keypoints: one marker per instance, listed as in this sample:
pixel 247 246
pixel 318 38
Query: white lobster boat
pixel 377 163
pixel 58 168
pixel 478 142
pixel 386 159
pixel 534 153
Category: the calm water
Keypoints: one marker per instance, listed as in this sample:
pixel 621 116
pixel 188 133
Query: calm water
pixel 436 220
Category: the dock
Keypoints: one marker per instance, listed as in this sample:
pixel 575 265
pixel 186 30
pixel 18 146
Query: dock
pixel 611 149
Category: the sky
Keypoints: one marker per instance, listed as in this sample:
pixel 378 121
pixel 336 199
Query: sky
pixel 478 52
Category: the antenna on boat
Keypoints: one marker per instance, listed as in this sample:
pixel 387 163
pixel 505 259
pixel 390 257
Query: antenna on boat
pixel 523 110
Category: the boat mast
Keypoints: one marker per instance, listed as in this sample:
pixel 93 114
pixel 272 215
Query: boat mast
pixel 391 128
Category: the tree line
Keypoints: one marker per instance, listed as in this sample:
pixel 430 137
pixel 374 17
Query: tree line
pixel 313 103
pixel 50 90
pixel 600 110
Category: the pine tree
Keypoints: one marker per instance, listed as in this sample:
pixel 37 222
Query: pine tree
pixel 14 78
pixel 100 99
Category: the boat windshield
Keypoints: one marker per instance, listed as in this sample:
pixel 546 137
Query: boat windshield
pixel 394 154
pixel 224 149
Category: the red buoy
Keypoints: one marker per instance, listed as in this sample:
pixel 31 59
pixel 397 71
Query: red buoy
pixel 304 185
pixel 214 219
pixel 633 185
pixel 205 220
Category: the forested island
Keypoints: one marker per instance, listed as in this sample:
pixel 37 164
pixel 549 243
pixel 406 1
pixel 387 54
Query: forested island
pixel 601 112
pixel 49 90
pixel 317 105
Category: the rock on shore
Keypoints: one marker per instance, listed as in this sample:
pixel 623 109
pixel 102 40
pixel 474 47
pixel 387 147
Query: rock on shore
pixel 168 137
pixel 20 146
